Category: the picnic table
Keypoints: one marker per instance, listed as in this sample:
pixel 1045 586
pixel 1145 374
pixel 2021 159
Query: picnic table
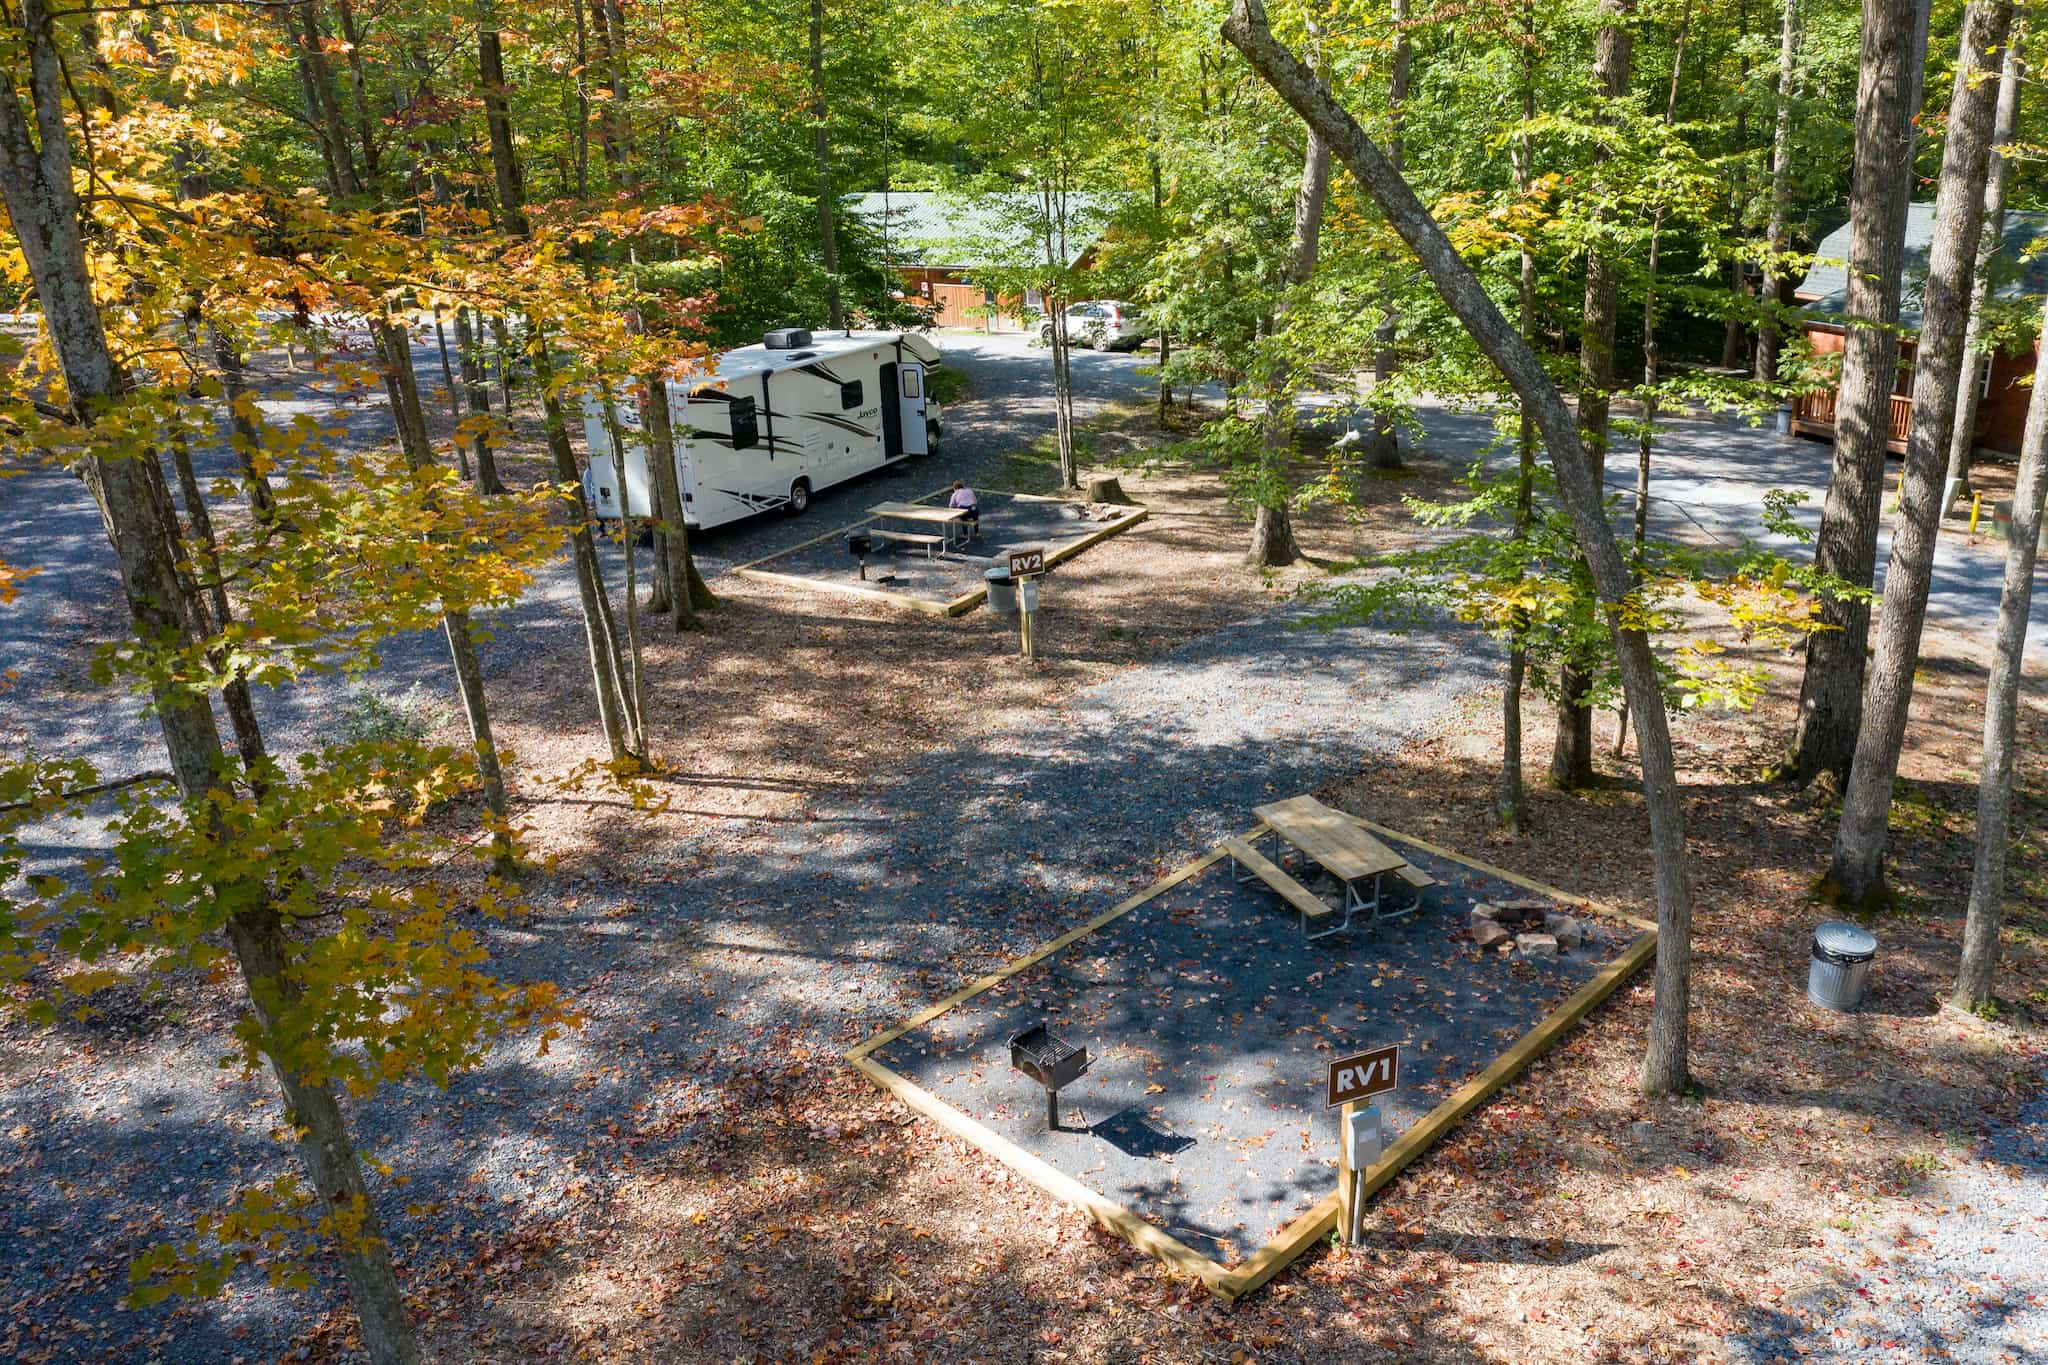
pixel 924 514
pixel 1334 842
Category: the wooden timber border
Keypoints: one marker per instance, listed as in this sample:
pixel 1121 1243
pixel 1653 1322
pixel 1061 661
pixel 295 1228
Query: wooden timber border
pixel 1321 1218
pixel 955 606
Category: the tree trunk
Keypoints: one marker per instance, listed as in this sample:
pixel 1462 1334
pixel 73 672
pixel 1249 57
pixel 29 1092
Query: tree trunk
pixel 1165 384
pixel 1513 807
pixel 1062 373
pixel 396 344
pixel 331 170
pixel 501 332
pixel 242 433
pixel 668 493
pixel 635 689
pixel 821 154
pixel 610 138
pixel 1273 544
pixel 599 631
pixel 1664 1065
pixel 240 705
pixel 490 66
pixel 327 118
pixel 1969 384
pixel 455 392
pixel 2001 703
pixel 1386 436
pixel 359 91
pixel 1768 328
pixel 314 1114
pixel 36 181
pixel 1165 335
pixel 1612 49
pixel 1888 95
pixel 477 388
pixel 582 137
pixel 1733 336
pixel 1857 874
pixel 614 34
pixel 1571 757
pixel 1646 435
pixel 590 585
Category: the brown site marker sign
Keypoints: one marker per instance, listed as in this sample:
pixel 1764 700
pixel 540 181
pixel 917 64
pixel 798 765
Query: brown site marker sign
pixel 1364 1074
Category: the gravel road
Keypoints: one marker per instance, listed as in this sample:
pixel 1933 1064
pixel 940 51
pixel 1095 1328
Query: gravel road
pixel 1963 1278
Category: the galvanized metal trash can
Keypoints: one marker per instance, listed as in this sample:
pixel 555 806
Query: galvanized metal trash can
pixel 1002 592
pixel 1840 968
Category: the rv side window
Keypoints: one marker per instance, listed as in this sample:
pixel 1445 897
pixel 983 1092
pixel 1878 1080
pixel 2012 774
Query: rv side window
pixel 913 383
pixel 746 428
pixel 850 395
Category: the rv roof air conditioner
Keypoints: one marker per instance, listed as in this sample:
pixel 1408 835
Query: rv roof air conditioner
pixel 787 338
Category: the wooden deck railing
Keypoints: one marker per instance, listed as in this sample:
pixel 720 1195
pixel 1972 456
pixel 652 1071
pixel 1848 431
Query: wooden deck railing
pixel 1902 418
pixel 1817 408
pixel 1815 413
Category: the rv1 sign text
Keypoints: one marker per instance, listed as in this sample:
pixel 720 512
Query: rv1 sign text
pixel 1363 1074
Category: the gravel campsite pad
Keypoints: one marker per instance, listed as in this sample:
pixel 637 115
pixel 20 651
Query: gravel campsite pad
pixel 932 575
pixel 1209 1020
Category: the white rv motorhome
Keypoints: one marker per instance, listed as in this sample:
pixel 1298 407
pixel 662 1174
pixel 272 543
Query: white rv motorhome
pixel 765 427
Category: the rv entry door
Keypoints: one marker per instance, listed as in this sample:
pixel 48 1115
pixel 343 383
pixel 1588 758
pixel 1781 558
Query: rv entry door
pixel 903 409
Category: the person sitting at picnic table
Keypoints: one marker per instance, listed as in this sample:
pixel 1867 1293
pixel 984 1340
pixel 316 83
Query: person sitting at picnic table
pixel 963 496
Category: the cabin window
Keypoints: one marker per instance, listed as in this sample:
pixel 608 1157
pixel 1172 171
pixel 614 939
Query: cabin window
pixel 746 425
pixel 913 383
pixel 850 395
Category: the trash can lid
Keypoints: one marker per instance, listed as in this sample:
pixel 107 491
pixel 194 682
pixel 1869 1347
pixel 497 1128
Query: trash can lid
pixel 996 575
pixel 1845 942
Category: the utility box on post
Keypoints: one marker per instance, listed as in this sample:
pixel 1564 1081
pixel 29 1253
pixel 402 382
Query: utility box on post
pixel 1364 1137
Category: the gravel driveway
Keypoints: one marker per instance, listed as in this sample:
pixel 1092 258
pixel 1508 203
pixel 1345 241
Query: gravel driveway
pixel 1963 1278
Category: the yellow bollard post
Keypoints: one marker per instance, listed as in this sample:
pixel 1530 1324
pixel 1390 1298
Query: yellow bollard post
pixel 1976 508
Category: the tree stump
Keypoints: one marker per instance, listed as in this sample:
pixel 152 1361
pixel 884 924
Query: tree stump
pixel 1108 490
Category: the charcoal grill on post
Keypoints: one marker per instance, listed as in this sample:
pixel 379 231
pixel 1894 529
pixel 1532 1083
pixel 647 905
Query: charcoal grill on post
pixel 860 545
pixel 1049 1061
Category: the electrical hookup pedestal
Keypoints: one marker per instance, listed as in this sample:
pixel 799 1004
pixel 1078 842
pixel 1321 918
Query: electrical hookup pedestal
pixel 1361 1137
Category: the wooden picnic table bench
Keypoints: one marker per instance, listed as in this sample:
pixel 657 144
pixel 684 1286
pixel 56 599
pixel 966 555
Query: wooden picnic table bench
pixel 1311 906
pixel 931 544
pixel 945 518
pixel 1334 842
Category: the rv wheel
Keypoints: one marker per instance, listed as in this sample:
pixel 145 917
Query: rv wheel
pixel 799 497
pixel 931 438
